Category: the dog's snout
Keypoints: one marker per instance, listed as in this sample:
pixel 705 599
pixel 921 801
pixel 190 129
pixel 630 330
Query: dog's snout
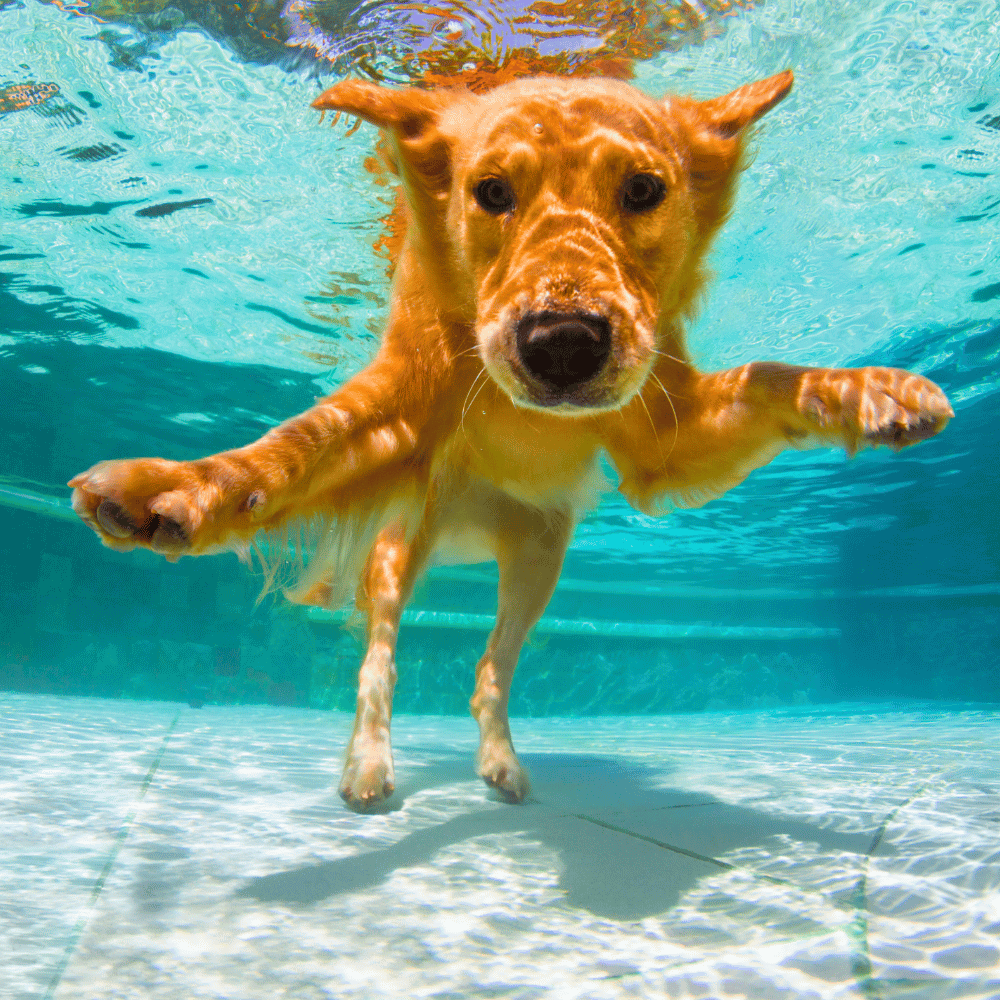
pixel 563 350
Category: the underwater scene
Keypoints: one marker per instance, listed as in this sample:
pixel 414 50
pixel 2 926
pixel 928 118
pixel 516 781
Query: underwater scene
pixel 761 734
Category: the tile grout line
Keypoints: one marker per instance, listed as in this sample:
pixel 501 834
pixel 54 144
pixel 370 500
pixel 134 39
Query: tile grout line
pixel 120 837
pixel 869 985
pixel 708 859
pixel 724 866
pixel 857 930
pixel 656 843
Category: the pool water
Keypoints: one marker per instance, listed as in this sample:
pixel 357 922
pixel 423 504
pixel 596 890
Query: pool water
pixel 189 255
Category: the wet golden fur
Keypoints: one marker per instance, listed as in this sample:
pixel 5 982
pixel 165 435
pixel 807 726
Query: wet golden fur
pixel 555 240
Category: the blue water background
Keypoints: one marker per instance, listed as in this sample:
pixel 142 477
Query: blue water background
pixel 866 232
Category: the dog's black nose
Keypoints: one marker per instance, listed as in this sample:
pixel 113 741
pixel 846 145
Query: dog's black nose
pixel 563 350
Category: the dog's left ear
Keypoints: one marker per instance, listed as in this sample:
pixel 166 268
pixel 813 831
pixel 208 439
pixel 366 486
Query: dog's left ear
pixel 715 132
pixel 729 115
pixel 410 116
pixel 716 127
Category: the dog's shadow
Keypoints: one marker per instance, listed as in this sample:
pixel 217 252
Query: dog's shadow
pixel 628 849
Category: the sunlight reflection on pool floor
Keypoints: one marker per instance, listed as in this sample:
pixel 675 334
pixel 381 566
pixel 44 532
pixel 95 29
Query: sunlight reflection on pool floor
pixel 159 851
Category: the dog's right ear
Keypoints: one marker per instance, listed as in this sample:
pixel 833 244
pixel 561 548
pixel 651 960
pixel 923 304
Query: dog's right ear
pixel 410 116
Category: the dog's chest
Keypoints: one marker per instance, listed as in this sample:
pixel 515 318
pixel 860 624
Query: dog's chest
pixel 550 465
pixel 469 510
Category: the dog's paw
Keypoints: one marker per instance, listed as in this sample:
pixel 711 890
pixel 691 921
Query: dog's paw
pixel 498 766
pixel 368 777
pixel 868 407
pixel 174 508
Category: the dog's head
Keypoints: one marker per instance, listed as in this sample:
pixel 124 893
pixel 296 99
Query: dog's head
pixel 566 219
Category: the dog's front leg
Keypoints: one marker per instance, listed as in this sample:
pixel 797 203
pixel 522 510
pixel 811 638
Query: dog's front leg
pixel 332 458
pixel 530 551
pixel 383 592
pixel 715 429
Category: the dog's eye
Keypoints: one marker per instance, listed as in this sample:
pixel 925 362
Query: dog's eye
pixel 642 193
pixel 494 196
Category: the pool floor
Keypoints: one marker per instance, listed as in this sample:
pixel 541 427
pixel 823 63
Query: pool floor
pixel 157 851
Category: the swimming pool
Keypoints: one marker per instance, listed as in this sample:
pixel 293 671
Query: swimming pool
pixel 188 255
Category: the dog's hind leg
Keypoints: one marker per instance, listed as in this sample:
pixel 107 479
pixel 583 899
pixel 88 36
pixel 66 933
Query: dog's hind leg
pixel 530 551
pixel 385 587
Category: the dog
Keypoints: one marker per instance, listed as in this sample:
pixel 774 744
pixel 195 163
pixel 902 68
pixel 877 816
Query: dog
pixel 555 243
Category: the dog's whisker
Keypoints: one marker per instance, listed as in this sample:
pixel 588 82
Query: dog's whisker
pixel 466 353
pixel 672 410
pixel 652 424
pixel 669 357
pixel 468 403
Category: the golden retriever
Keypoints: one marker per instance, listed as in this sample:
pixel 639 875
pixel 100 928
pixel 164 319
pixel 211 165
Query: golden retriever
pixel 556 239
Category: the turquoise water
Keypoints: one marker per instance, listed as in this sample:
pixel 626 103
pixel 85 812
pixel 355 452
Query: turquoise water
pixel 187 260
pixel 762 735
